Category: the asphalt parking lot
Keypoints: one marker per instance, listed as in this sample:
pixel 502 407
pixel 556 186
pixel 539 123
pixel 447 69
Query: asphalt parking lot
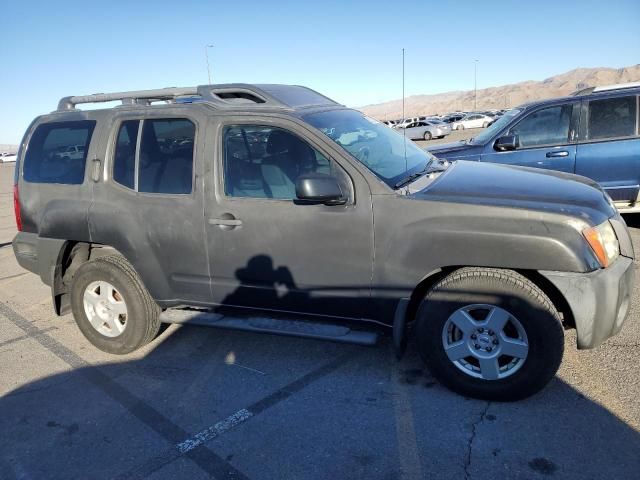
pixel 205 403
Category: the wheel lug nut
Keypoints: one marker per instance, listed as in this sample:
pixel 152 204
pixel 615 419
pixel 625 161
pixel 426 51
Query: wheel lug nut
pixel 473 336
pixel 488 349
pixel 495 342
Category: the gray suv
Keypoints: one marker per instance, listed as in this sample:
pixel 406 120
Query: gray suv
pixel 272 208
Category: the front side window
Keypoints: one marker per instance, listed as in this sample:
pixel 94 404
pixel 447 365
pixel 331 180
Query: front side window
pixel 164 161
pixel 57 152
pixel 386 152
pixel 548 126
pixel 612 118
pixel 265 162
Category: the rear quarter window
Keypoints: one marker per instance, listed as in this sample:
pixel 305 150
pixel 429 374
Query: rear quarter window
pixel 57 152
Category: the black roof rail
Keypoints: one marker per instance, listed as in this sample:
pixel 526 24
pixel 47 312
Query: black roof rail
pixel 221 96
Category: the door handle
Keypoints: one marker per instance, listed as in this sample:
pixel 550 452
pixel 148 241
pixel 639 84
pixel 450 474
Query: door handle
pixel 228 222
pixel 562 153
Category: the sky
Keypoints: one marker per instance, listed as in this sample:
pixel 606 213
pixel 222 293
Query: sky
pixel 350 50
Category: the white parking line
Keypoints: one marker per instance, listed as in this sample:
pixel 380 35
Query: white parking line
pixel 215 430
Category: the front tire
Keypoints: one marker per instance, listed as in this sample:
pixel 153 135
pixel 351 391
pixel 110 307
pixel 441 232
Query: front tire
pixel 490 334
pixel 111 306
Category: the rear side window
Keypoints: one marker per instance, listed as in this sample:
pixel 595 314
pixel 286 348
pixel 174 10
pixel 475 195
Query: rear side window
pixel 124 166
pixel 57 152
pixel 612 118
pixel 163 162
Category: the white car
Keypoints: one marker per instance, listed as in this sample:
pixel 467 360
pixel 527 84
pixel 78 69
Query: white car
pixel 72 152
pixel 8 157
pixel 472 120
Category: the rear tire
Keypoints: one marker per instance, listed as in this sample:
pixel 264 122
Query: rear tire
pixel 112 307
pixel 474 360
pixel 427 136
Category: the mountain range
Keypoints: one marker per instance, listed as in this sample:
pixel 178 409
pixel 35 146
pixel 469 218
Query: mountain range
pixel 505 96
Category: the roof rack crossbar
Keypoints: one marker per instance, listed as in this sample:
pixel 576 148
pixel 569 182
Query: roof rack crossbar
pixel 69 103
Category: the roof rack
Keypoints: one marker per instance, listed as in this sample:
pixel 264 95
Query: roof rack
pixel 221 96
pixel 605 88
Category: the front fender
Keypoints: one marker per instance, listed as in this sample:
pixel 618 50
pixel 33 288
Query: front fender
pixel 427 237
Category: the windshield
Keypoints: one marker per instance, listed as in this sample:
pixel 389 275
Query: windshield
pixel 495 127
pixel 383 151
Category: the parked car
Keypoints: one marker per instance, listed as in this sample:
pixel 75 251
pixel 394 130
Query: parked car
pixel 453 118
pixel 474 120
pixel 425 130
pixel 71 152
pixel 7 157
pixel 594 134
pixel 265 207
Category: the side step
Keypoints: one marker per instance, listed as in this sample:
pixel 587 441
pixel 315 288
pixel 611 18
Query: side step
pixel 276 326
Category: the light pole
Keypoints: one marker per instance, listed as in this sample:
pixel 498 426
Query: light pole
pixel 475 84
pixel 206 56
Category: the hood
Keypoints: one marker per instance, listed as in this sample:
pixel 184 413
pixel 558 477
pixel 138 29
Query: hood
pixel 520 187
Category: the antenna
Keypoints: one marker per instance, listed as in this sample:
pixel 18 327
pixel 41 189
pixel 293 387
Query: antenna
pixel 404 130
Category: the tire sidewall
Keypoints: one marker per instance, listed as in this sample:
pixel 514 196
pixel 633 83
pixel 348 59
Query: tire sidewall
pixel 544 333
pixel 136 328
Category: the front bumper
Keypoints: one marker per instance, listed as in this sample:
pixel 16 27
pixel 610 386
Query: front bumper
pixel 599 300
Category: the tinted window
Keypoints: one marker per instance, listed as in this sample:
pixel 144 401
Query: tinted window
pixel 264 162
pixel 548 126
pixel 165 159
pixel 166 156
pixel 57 152
pixel 611 118
pixel 124 163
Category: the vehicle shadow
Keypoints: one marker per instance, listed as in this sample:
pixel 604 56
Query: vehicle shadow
pixel 351 412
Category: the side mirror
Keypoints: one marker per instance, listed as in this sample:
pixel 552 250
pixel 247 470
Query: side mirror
pixel 319 188
pixel 507 143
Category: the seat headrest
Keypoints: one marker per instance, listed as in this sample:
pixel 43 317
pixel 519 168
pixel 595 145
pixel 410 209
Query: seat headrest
pixel 279 142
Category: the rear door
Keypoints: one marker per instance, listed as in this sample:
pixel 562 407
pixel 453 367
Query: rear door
pixel 149 204
pixel 547 138
pixel 609 148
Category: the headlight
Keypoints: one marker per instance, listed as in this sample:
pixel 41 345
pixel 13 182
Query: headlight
pixel 604 243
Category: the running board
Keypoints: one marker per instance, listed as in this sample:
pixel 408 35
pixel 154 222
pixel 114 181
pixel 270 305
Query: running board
pixel 276 326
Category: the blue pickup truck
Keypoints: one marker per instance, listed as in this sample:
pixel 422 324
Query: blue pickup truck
pixel 593 132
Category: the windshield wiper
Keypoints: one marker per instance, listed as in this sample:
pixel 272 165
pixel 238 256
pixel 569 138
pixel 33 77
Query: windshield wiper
pixel 431 167
pixel 408 179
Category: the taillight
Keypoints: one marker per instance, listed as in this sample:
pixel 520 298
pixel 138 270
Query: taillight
pixel 16 207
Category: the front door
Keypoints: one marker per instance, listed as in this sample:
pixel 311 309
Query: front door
pixel 269 251
pixel 546 139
